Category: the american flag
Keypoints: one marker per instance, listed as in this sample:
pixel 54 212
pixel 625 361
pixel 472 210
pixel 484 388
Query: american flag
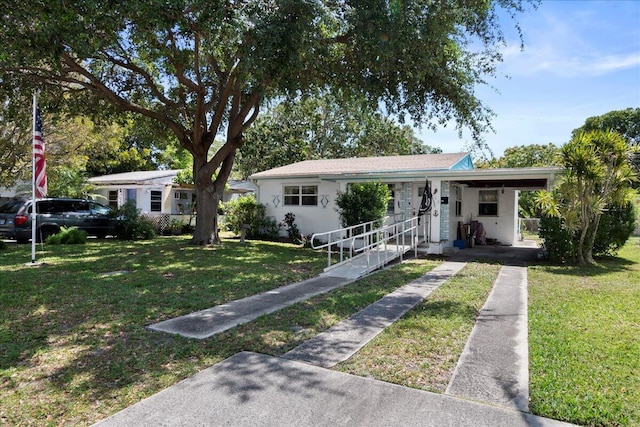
pixel 40 164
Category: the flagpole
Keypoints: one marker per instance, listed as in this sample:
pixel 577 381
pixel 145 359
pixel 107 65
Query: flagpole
pixel 33 182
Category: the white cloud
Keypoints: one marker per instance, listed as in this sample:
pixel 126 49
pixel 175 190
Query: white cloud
pixel 546 59
pixel 565 40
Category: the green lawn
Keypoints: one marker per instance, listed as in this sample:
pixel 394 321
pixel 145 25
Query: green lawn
pixel 73 343
pixel 422 349
pixel 584 339
pixel 74 348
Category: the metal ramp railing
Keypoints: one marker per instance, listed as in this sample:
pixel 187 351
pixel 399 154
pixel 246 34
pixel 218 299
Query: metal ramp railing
pixel 360 249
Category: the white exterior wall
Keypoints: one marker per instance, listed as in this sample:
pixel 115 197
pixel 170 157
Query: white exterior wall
pixel 309 219
pixel 316 219
pixel 143 197
pixel 502 227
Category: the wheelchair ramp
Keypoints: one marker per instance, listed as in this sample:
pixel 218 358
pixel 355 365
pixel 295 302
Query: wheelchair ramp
pixel 366 249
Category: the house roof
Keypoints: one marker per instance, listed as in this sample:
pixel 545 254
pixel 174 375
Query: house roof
pixel 159 177
pixel 369 165
pixel 137 177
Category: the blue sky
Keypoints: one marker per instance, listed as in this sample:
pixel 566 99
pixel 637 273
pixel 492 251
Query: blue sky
pixel 581 58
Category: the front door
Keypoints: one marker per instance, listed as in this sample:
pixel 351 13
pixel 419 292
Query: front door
pixel 406 200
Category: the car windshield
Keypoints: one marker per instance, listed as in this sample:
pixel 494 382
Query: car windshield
pixel 11 207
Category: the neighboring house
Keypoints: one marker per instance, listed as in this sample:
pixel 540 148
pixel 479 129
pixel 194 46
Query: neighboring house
pixel 156 194
pixel 461 194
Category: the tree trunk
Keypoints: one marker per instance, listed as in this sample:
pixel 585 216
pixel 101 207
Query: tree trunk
pixel 208 196
pixel 592 239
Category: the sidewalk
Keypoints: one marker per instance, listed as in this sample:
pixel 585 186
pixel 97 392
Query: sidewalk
pixel 249 389
pixel 494 365
pixel 205 323
pixel 344 339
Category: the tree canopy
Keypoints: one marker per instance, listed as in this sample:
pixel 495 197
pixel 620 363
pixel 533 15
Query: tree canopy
pixel 626 122
pixel 322 127
pixel 202 68
pixel 525 156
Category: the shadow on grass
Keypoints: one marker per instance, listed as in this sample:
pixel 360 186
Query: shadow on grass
pixel 602 266
pixel 70 333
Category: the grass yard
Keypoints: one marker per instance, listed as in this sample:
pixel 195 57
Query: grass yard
pixel 584 339
pixel 73 343
pixel 74 348
pixel 422 348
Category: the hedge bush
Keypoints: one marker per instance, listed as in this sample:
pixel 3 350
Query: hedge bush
pixel 133 226
pixel 247 210
pixel 616 225
pixel 68 236
pixel 363 202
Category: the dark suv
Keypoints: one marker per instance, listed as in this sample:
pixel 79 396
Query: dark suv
pixel 94 218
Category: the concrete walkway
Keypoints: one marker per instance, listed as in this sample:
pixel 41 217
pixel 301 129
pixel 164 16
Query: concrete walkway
pixel 494 366
pixel 206 323
pixel 489 386
pixel 251 389
pixel 344 339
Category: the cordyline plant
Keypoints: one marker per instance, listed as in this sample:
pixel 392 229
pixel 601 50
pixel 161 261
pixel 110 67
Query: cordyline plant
pixel 598 174
pixel 203 68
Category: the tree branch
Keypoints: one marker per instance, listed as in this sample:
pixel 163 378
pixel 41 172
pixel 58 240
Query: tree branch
pixel 96 85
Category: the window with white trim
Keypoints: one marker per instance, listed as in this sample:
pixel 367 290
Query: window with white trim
pixel 488 203
pixel 301 195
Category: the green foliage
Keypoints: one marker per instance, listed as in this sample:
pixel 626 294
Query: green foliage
pixel 616 226
pixel 321 127
pixel 132 225
pixel 197 68
pixel 363 202
pixel 598 174
pixel 175 227
pixel 184 177
pixel 292 229
pixel 625 122
pixel 68 236
pixel 3 245
pixel 559 243
pixel 245 210
pixel 68 183
pixel 525 156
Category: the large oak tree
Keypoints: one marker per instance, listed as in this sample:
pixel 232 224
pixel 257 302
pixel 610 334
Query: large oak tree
pixel 203 68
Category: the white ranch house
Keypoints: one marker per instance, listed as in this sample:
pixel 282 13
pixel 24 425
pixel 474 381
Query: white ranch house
pixel 461 194
pixel 156 194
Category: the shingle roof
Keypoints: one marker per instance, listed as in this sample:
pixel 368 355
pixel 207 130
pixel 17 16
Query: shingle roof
pixel 365 165
pixel 138 177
